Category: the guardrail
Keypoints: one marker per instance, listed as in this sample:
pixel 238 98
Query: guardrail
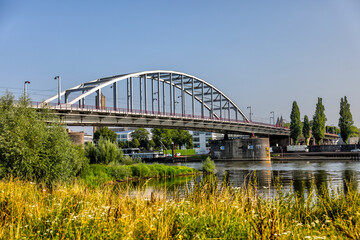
pixel 110 110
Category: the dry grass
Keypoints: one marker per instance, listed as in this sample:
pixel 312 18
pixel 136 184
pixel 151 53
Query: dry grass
pixel 74 211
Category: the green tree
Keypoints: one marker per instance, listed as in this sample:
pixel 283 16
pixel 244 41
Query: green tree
pixel 105 133
pixel 162 137
pixel 151 144
pixel 31 148
pixel 104 152
pixel 122 144
pixel 182 137
pixel 306 129
pixel 295 124
pixel 142 135
pixel 135 143
pixel 165 137
pixel 319 119
pixel 345 121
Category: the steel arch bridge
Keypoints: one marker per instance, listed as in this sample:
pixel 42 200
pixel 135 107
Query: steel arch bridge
pixel 157 99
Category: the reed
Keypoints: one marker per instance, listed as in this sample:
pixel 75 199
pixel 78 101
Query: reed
pixel 204 210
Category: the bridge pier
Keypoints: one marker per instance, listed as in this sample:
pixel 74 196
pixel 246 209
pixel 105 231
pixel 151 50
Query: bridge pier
pixel 241 149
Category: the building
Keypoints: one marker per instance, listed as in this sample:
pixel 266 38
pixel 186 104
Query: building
pixel 201 140
pixel 124 136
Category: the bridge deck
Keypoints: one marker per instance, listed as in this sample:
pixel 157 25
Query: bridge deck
pixel 73 115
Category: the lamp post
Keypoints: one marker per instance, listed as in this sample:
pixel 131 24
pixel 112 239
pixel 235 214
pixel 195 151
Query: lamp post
pixel 273 117
pixel 249 107
pixel 25 88
pixel 59 89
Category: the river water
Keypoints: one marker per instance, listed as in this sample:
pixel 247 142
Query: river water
pixel 299 176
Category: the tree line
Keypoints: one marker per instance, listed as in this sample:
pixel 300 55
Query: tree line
pixel 317 127
pixel 161 138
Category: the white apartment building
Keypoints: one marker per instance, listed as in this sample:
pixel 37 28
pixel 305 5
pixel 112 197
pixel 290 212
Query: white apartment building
pixel 201 140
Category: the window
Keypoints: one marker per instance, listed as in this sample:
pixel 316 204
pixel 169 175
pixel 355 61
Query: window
pixel 196 139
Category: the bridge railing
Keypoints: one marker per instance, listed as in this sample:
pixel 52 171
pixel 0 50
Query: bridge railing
pixel 111 110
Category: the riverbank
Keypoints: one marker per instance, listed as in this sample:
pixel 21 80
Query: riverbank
pixel 99 174
pixel 308 156
pixel 75 211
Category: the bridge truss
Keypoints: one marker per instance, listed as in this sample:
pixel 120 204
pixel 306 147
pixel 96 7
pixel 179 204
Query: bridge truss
pixel 160 92
pixel 166 99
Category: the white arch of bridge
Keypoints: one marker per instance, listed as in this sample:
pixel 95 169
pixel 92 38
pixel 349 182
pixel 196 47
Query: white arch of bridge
pixel 210 97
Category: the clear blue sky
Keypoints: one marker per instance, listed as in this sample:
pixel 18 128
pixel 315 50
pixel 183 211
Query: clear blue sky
pixel 263 54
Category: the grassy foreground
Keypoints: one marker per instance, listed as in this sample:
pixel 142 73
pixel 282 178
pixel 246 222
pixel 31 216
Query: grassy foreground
pixel 76 212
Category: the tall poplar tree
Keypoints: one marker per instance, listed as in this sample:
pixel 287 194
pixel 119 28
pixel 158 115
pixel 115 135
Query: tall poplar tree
pixel 319 119
pixel 295 125
pixel 345 121
pixel 306 129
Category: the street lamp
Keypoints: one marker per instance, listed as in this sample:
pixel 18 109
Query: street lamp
pixel 59 89
pixel 273 117
pixel 249 107
pixel 25 88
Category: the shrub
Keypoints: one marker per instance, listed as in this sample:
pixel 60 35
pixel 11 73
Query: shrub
pixel 208 165
pixel 32 149
pixel 140 170
pixel 127 160
pixel 91 152
pixel 105 152
pixel 119 172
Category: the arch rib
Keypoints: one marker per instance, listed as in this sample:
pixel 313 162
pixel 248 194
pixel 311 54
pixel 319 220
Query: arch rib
pixel 95 85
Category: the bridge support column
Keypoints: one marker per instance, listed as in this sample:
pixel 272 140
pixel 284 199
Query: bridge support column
pixel 202 100
pixel 131 94
pixel 66 97
pixel 141 98
pixel 158 93
pixel 83 100
pixel 174 99
pixel 115 95
pixel 193 97
pixel 163 95
pixel 220 107
pixel 98 99
pixel 182 96
pixel 171 95
pixel 229 115
pixel 212 104
pixel 152 95
pixel 145 92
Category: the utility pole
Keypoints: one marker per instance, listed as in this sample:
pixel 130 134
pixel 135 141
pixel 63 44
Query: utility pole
pixel 25 88
pixel 59 89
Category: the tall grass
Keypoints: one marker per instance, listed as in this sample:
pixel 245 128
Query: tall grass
pixel 98 174
pixel 74 211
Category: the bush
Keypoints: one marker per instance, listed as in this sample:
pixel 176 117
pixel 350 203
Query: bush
pixel 32 149
pixel 127 160
pixel 140 170
pixel 119 172
pixel 91 152
pixel 105 152
pixel 208 165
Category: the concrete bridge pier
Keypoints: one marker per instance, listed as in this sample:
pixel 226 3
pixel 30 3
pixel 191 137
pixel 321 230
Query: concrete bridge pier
pixel 241 149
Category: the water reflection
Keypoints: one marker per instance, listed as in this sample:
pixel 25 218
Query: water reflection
pixel 299 176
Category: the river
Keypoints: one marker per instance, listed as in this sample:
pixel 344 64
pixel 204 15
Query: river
pixel 290 175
